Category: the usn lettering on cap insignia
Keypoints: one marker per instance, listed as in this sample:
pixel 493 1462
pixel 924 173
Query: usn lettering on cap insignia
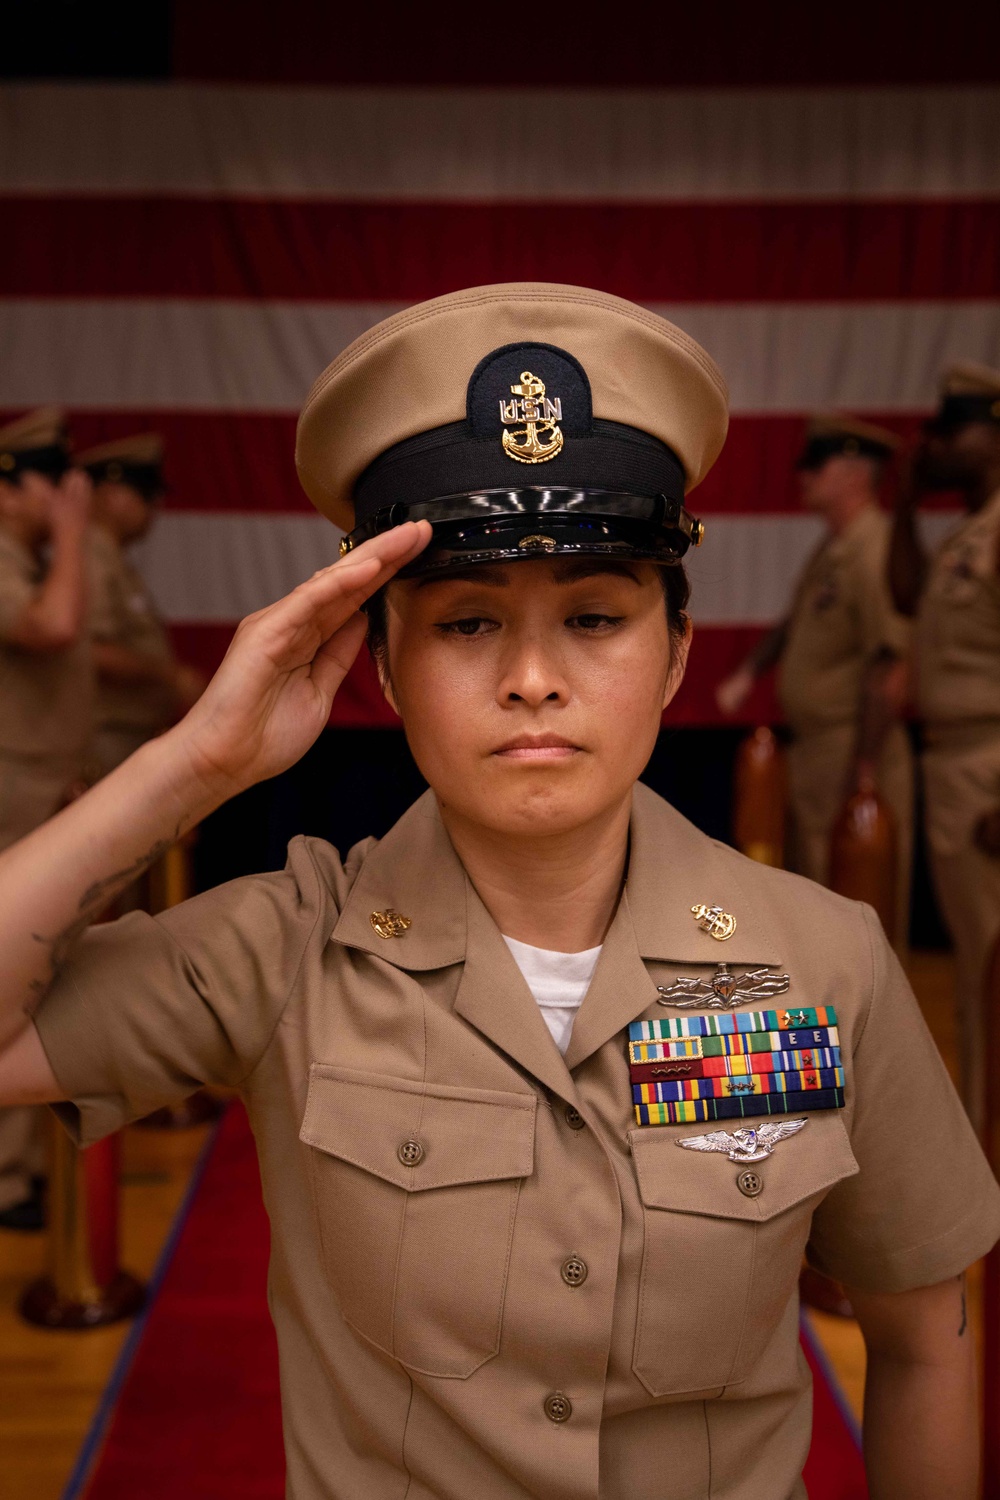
pixel 724 991
pixel 534 413
pixel 735 1065
pixel 712 919
pixel 389 924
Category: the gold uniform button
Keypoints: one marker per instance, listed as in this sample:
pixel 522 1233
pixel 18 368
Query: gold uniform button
pixel 574 1119
pixel 557 1407
pixel 750 1184
pixel 574 1271
pixel 411 1153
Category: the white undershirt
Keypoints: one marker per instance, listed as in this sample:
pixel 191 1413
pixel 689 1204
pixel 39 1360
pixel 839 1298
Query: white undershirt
pixel 558 982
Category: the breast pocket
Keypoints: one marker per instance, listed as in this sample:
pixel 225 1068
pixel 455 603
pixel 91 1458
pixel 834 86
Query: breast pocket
pixel 416 1190
pixel 718 1266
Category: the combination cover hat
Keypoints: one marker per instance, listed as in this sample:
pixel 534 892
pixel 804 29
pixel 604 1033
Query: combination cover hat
pixel 136 461
pixel 969 393
pixel 36 441
pixel 519 419
pixel 834 434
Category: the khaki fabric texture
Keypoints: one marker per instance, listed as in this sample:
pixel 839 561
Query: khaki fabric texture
pixel 422 1319
pixel 818 768
pixel 46 697
pixel 841 618
pixel 124 614
pixel 958 625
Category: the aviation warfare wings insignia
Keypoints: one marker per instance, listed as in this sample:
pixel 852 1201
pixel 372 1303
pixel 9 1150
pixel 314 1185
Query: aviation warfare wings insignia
pixel 745 1144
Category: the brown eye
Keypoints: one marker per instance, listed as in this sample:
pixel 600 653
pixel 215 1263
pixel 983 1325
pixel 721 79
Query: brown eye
pixel 594 622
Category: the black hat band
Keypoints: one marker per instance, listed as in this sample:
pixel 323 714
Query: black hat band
pixel 145 479
pixel 958 411
pixel 51 460
pixel 824 446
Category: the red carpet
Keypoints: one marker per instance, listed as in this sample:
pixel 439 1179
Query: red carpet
pixel 197 1416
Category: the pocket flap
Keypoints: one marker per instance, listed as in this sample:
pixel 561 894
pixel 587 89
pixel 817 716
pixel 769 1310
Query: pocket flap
pixel 699 1182
pixel 450 1135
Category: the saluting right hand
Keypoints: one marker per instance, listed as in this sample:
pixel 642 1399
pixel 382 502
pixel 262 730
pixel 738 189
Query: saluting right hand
pixel 272 695
pixel 69 504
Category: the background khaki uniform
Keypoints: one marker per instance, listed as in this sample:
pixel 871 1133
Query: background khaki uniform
pixel 421 1312
pixel 46 703
pixel 841 618
pixel 958 691
pixel 123 613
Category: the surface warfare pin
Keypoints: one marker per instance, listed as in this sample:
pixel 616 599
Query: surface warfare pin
pixel 724 991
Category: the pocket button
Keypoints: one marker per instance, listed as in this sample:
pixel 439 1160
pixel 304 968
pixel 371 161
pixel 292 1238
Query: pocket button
pixel 750 1184
pixel 574 1271
pixel 410 1153
pixel 557 1407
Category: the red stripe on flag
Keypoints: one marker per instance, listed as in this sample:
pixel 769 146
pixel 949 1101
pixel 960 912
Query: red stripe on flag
pixel 650 252
pixel 240 461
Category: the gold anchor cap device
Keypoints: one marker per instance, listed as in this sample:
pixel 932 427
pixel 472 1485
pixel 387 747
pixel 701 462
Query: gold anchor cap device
pixel 521 420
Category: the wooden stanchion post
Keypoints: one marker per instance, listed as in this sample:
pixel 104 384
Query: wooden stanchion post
pixel 170 882
pixel 84 1286
pixel 760 797
pixel 863 855
pixel 991 1267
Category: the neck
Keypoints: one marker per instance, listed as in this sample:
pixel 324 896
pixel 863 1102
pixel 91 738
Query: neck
pixel 840 515
pixel 557 891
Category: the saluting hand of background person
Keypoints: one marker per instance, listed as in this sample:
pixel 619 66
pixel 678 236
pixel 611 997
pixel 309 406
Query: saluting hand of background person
pixel 272 694
pixel 70 502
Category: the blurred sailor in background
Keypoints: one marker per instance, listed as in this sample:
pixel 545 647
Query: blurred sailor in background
pixel 955 596
pixel 141 687
pixel 46 694
pixel 841 655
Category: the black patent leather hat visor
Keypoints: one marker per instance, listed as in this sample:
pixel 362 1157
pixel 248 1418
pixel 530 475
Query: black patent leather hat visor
pixel 511 524
pixel 52 461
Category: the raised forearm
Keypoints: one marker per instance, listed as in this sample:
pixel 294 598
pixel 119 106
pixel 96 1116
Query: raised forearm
pixel 920 1429
pixel 57 880
pixel 59 607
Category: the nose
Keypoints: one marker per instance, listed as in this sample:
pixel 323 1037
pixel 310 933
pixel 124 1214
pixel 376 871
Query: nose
pixel 532 673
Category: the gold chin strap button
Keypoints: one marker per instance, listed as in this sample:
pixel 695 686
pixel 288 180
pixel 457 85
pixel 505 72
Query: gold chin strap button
pixel 389 924
pixel 697 533
pixel 345 545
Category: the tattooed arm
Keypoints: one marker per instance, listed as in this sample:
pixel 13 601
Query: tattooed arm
pixel 261 712
pixel 921 1408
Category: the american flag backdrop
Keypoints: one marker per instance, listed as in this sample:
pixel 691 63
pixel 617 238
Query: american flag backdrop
pixel 189 255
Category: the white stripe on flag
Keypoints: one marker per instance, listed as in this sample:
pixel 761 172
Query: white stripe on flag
pixel 214 567
pixel 539 145
pixel 213 355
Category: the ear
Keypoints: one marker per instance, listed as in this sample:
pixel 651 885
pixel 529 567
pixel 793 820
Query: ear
pixel 679 651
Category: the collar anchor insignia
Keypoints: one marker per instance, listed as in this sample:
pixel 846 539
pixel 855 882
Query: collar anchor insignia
pixel 536 414
pixel 744 1145
pixel 712 919
pixel 724 991
pixel 389 924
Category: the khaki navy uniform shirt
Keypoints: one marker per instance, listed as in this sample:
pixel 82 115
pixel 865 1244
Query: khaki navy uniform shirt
pixel 46 706
pixel 841 618
pixel 430 1163
pixel 123 614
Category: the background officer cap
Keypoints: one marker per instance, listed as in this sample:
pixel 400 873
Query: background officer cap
pixel 136 461
pixel 520 418
pixel 35 441
pixel 831 434
pixel 969 393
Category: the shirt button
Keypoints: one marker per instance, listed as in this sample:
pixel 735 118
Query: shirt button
pixel 574 1271
pixel 411 1153
pixel 574 1119
pixel 749 1183
pixel 557 1407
